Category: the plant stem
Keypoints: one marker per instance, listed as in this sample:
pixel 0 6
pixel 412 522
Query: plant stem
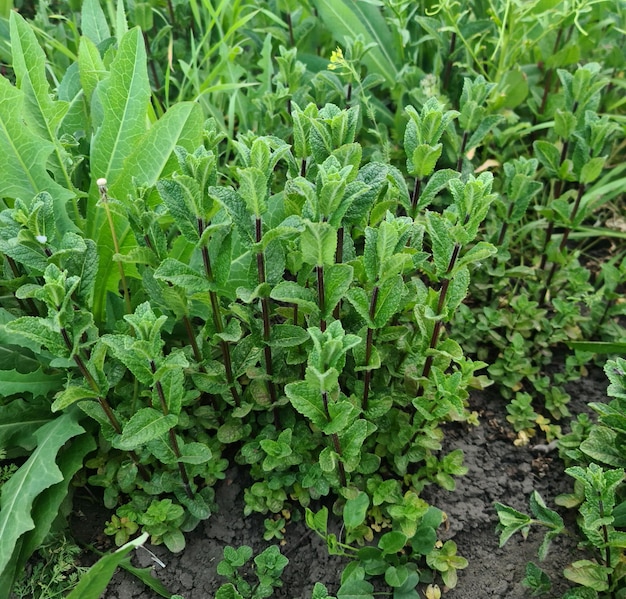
pixel 338 259
pixel 368 348
pixel 217 320
pixel 155 75
pixel 550 73
pixel 170 10
pixel 265 309
pixel 192 340
pixel 104 404
pixel 23 303
pixel 416 194
pixel 172 435
pixel 321 293
pixel 448 69
pixel 558 190
pixel 459 162
pixel 290 25
pixel 102 187
pixel 336 444
pixel 562 245
pixel 443 290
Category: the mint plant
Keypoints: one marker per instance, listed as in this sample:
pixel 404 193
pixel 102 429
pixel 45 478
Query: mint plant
pixel 268 567
pixel 259 231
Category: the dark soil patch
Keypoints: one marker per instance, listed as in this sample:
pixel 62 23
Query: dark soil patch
pixel 498 471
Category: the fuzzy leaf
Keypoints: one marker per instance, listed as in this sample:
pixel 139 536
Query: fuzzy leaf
pixel 424 160
pixel 253 190
pixel 71 395
pixel 184 276
pixel 549 156
pixel 485 126
pixel 287 335
pixel 601 445
pixel 291 292
pixel 183 199
pixel 441 240
pixel 41 331
pixel 144 426
pixel 308 401
pixel 589 574
pixel 389 297
pixel 318 243
pixel 481 251
pixel 357 296
pixel 337 280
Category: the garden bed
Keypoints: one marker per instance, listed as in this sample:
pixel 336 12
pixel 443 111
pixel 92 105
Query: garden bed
pixel 498 471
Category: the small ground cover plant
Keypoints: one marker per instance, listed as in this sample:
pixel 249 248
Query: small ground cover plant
pixel 285 262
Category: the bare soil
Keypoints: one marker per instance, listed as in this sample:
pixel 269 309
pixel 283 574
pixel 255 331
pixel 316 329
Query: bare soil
pixel 498 471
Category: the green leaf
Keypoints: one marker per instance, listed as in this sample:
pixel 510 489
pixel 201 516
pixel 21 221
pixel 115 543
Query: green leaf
pixel 549 156
pixel 38 473
pixel 124 97
pixel 308 401
pixel 588 574
pixel 392 542
pixel 442 243
pixel 396 577
pixel 71 395
pixel 38 383
pixel 144 426
pixel 151 155
pixel 19 420
pixel 42 331
pixel 47 505
pixel 287 335
pixel 90 67
pixel 184 276
pixel 425 159
pixel 318 243
pixel 228 591
pixel 356 589
pixel 345 18
pixel 337 281
pixel 389 297
pixel 601 445
pixel 357 296
pixel 481 251
pixel 183 198
pixel 510 522
pixel 94 582
pixel 25 157
pixel 43 114
pixel 355 510
pixel 253 190
pixel 291 292
pixel 94 22
pixel 592 169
